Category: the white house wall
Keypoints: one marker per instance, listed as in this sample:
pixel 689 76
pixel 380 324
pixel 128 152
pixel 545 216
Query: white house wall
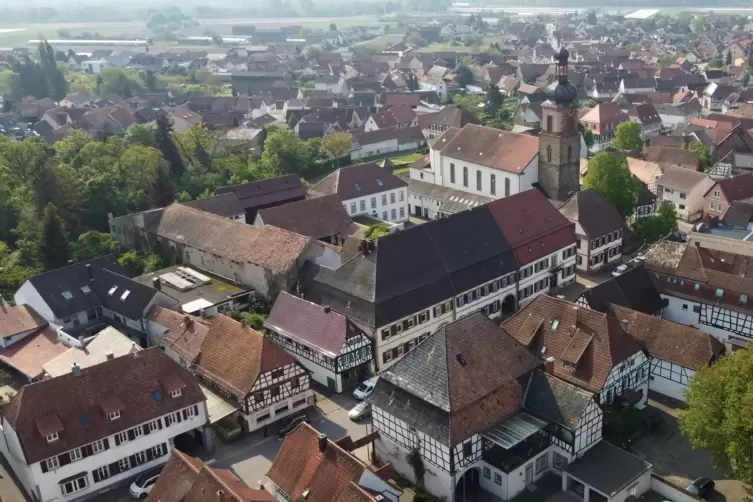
pixel 637 369
pixel 379 148
pixel 27 294
pixel 710 319
pixel 518 183
pixel 588 432
pixel 669 378
pixel 401 202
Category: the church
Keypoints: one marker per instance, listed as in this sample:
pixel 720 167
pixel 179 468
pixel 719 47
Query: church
pixel 494 163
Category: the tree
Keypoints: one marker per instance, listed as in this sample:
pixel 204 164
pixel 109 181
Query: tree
pixel 745 79
pixel 728 58
pixel 99 86
pixel 153 262
pixel 658 226
pixel 464 76
pixel 591 103
pixel 718 417
pixel 591 18
pixel 704 154
pixel 149 79
pixel 627 136
pixel 165 144
pixel 337 145
pixel 141 135
pixel 94 244
pixel 411 82
pixel 253 321
pixel 716 63
pixel 494 100
pixel 609 175
pixel 132 262
pixel 697 25
pixel 54 250
pixel 332 27
pixel 284 153
pixel 117 81
pixel 163 190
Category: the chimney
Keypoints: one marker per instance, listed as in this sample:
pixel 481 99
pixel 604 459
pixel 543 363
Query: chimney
pixel 220 495
pixel 109 355
pixel 322 443
pixel 156 283
pixel 549 363
pixel 624 325
pixel 81 343
pixel 261 485
pixel 327 309
pixel 89 272
pixel 76 369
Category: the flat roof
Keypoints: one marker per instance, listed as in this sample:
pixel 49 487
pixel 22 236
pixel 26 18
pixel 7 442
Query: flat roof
pixel 217 406
pixel 194 289
pixel 515 429
pixel 95 352
pixel 607 468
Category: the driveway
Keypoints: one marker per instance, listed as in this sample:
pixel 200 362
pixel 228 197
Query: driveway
pixel 675 459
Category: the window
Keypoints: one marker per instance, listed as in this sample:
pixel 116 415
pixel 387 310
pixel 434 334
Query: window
pixel 393 214
pixel 452 173
pixel 467 449
pixel 507 187
pixel 719 292
pixel 487 472
pixel 121 437
pixel 541 463
pixel 549 120
pixel 717 193
pixel 478 179
pixel 295 383
pixel 498 478
pixel 373 202
pixel 86 290
pixel 262 418
pixel 67 295
pixel 98 446
pixel 102 473
pixel 176 393
pixel 274 391
pixel 157 451
pixel 138 431
pixel 51 438
pixel 363 205
pixel 696 309
pixel 719 206
pixel 153 425
pixel 402 196
pixel 277 374
pixel 402 212
pixel 384 199
pixel 76 454
pixel 465 177
pixel 684 306
pixel 124 464
pixel 384 215
pixel 548 153
pixel 74 485
pixel 114 415
pixel 52 463
pixel 743 298
pixel 140 458
pixel 387 356
pixel 683 196
pixel 352 208
pixel 559 461
pixel 392 198
pixel 681 207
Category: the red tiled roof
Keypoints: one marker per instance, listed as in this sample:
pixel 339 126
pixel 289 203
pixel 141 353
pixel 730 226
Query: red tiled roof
pixel 494 148
pixel 185 333
pixel 735 188
pixel 111 404
pixel 604 114
pixel 18 319
pixel 49 424
pixel 30 354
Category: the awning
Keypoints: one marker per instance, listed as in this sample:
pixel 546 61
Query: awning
pixel 217 407
pixel 515 430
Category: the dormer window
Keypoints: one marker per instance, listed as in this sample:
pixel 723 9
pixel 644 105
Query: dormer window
pixel 719 292
pixel 113 416
pixel 67 295
pixel 51 438
pixel 743 298
pixel 176 393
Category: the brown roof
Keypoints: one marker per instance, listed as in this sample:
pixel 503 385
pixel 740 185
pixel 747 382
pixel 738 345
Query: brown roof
pixel 603 115
pixel 600 344
pixel 451 116
pixel 233 356
pixel 317 218
pixel 185 479
pixel 331 476
pixel 596 216
pixel 646 113
pixel 446 138
pixel 685 180
pixel 131 379
pixel 357 181
pixel 735 188
pixel 18 319
pixel 269 247
pixel 184 334
pixel 670 155
pixel 677 343
pixel 493 148
pixel 29 354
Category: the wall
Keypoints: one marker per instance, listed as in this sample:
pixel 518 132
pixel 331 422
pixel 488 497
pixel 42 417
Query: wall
pixel 664 376
pixel 275 409
pixel 589 429
pixel 245 273
pixel 27 295
pixel 426 175
pixel 638 368
pixel 11 449
pixel 637 488
pixel 518 183
pixel 423 204
pixel 671 492
pixel 379 208
pixel 382 147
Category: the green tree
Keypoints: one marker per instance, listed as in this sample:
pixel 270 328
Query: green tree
pixel 473 103
pixel 591 103
pixel 627 136
pixel 591 18
pixel 149 79
pixel 609 175
pixel 163 189
pixel 153 262
pixel 704 154
pixel 728 58
pixel 464 75
pixel 117 81
pixel 253 321
pixel 718 417
pixel 697 25
pixel 716 63
pixel 745 79
pixel 284 153
pixel 165 144
pixel 99 86
pixel 132 262
pixel 54 249
pixel 658 226
pixel 337 145
pixel 494 100
pixel 411 82
pixel 332 27
pixel 141 135
pixel 94 244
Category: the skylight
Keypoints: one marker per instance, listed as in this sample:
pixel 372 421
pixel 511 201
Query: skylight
pixel 112 290
pixel 86 290
pixel 358 187
pixel 85 419
pixel 67 295
pixel 125 295
pixel 379 182
pixel 157 396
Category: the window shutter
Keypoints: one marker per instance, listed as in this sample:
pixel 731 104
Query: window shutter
pixel 196 409
pixel 149 455
pixel 146 429
pixel 185 414
pixel 44 465
pixel 95 475
pixel 132 460
pixel 177 417
pixel 86 451
pixel 106 442
pixel 64 458
pixel 159 423
pixel 117 440
pixel 114 468
pixel 131 435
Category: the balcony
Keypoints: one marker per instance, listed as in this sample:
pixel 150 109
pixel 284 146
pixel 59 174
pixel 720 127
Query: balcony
pixel 509 460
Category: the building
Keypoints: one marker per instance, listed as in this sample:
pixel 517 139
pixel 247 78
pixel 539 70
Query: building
pixel 312 467
pixel 724 192
pixel 322 218
pixel 648 118
pixel 590 349
pixel 264 259
pixel 430 201
pixel 481 413
pixel 645 205
pixel 331 347
pixel 559 141
pixel 434 125
pixel 367 189
pixel 261 194
pixel 79 434
pixel 226 205
pixel 705 287
pixel 685 189
pixel 261 380
pixel 634 290
pixel 602 121
pixel 87 295
pixel 87 352
pixel 489 258
pixel 186 478
pixel 598 227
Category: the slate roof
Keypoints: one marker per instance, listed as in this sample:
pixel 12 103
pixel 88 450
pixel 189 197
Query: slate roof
pixel 360 180
pixel 607 468
pixel 595 215
pixel 331 476
pixel 684 345
pixel 310 324
pixel 634 290
pixel 317 218
pixel 591 341
pixel 470 369
pixel 259 193
pixel 555 400
pixel 494 148
pixel 64 400
pixel 106 288
pixel 226 205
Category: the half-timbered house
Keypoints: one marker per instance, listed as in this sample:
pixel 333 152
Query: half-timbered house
pixel 590 349
pixel 705 287
pixel 328 344
pixel 676 351
pixel 480 411
pixel 240 364
pixel 633 289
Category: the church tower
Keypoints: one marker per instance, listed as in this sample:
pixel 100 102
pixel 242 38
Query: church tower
pixel 559 141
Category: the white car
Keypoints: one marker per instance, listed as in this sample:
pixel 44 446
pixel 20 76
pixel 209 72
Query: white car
pixel 359 411
pixel 143 485
pixel 365 388
pixel 619 270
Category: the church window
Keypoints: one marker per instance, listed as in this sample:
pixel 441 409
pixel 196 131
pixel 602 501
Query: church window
pixel 548 153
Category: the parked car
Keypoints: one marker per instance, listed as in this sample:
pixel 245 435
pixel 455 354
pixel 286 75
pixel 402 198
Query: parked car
pixel 619 270
pixel 359 411
pixel 365 388
pixel 291 423
pixel 142 486
pixel 701 487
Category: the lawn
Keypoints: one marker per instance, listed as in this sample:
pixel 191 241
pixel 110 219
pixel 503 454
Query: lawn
pixel 407 159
